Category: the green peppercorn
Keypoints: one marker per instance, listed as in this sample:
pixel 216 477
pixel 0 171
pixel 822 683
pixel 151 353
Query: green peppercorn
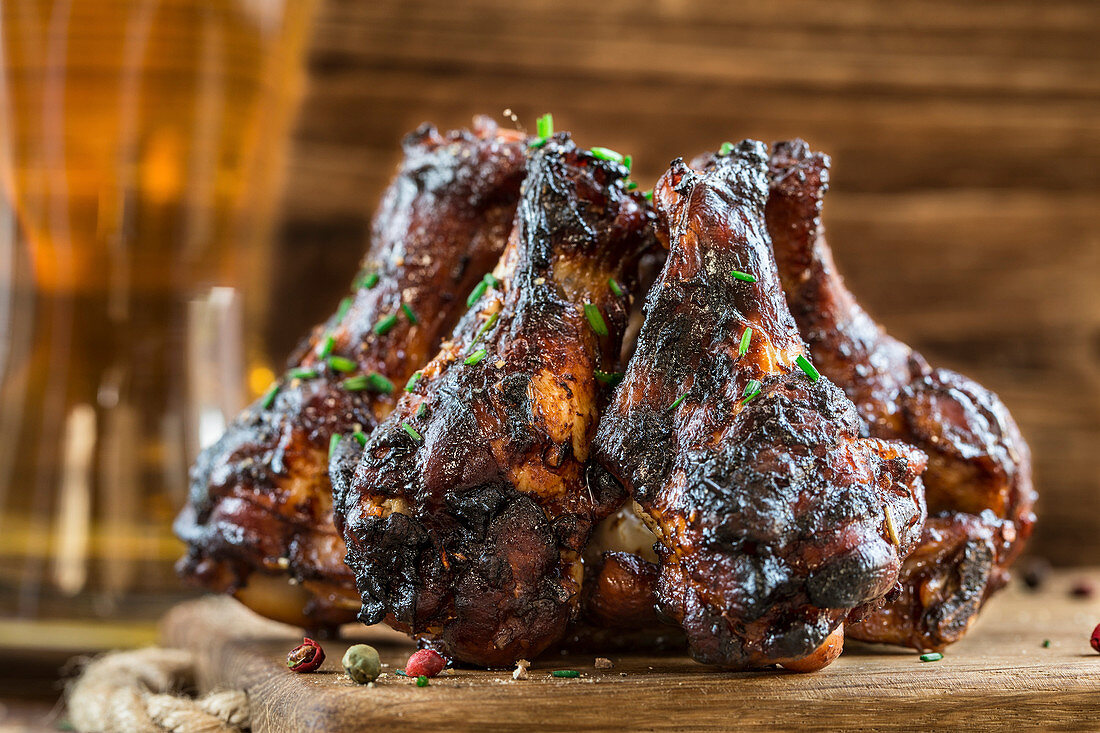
pixel 421 681
pixel 362 664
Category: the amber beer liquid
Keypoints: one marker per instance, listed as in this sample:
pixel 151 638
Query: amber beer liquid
pixel 141 149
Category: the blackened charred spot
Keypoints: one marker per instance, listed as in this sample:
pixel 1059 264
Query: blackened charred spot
pixel 795 640
pixel 572 531
pixel 603 486
pixel 511 393
pixel 852 579
pixel 400 562
pixel 476 507
pixel 644 439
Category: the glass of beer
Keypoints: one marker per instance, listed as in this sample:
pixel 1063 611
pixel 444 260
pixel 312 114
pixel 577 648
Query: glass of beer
pixel 141 149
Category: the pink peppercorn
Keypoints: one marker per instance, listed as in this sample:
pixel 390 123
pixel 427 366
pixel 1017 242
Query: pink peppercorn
pixel 426 662
pixel 306 657
pixel 1095 638
pixel 1082 589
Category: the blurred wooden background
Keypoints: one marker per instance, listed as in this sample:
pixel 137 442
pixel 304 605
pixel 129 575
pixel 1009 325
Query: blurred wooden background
pixel 965 137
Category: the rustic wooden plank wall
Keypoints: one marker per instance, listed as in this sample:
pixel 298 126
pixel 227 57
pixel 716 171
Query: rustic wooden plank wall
pixel 965 208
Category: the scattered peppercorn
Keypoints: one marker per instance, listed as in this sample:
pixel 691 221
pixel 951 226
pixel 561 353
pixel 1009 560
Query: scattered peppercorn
pixel 567 673
pixel 305 657
pixel 1095 638
pixel 1034 572
pixel 1046 643
pixel 604 663
pixel 421 681
pixel 426 663
pixel 931 657
pixel 362 664
pixel 1082 589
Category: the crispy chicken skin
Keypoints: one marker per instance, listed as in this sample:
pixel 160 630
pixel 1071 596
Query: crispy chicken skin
pixel 776 519
pixel 978 483
pixel 260 506
pixel 469 509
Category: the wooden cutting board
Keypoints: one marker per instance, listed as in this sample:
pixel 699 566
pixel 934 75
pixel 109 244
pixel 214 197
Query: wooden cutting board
pixel 1001 677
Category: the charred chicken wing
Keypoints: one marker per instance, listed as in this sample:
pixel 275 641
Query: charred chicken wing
pixel 469 509
pixel 259 520
pixel 776 519
pixel 978 482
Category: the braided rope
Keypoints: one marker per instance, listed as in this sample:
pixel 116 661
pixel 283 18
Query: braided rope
pixel 134 692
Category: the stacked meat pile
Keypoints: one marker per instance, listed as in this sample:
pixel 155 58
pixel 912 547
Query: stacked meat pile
pixel 468 451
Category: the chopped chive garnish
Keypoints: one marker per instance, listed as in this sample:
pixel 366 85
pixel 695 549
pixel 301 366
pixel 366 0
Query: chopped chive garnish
pixel 385 324
pixel 269 396
pixel 360 437
pixel 341 363
pixel 744 276
pixel 631 185
pixel 412 432
pixel 422 409
pixel 805 365
pixel 628 161
pixel 648 195
pixel 366 280
pixel 751 388
pixel 475 357
pixel 355 384
pixel 595 319
pixel 615 287
pixel 676 404
pixel 931 657
pixel 726 149
pixel 482 331
pixel 302 373
pixel 409 313
pixel 476 293
pixel 411 384
pixel 746 337
pixel 750 396
pixel 566 673
pixel 607 154
pixel 345 306
pixel 325 347
pixel 332 443
pixel 422 681
pixel 611 378
pixel 536 142
pixel 492 280
pixel 544 127
pixel 377 383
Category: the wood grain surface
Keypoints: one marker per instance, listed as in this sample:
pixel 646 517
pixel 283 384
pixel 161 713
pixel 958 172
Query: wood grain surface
pixel 1000 677
pixel 965 137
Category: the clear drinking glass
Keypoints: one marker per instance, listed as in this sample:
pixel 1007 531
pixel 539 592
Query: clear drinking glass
pixel 141 150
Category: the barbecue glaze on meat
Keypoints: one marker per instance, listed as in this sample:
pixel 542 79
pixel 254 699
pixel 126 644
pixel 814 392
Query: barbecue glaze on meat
pixel 259 520
pixel 978 483
pixel 469 509
pixel 776 520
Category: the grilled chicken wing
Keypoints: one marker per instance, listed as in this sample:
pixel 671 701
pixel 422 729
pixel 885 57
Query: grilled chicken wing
pixel 978 483
pixel 776 519
pixel 260 511
pixel 467 515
